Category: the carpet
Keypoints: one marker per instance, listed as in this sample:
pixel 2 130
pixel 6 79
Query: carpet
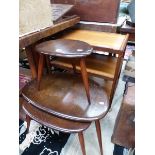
pixel 40 140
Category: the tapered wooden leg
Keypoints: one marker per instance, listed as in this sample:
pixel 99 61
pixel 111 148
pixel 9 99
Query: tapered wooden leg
pixel 99 135
pixel 36 58
pixel 85 77
pixel 40 69
pixel 48 64
pixel 74 67
pixel 81 139
pixel 28 120
pixel 31 61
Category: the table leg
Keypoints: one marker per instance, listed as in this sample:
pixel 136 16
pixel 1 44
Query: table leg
pixel 28 120
pixel 31 61
pixel 116 76
pixel 85 78
pixel 99 135
pixel 74 67
pixel 81 139
pixel 48 64
pixel 40 69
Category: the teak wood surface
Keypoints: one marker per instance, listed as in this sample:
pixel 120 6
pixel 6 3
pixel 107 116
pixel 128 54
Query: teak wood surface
pixel 63 95
pixel 97 65
pixel 113 42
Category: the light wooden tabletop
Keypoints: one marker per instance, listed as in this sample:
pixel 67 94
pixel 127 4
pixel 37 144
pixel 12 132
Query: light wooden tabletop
pixel 99 39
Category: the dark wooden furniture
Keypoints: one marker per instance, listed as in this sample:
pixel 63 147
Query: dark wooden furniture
pixel 28 41
pixel 66 49
pixel 56 123
pixel 93 10
pixel 124 130
pixel 99 65
pixel 28 112
pixel 58 10
pixel 63 95
pixel 67 96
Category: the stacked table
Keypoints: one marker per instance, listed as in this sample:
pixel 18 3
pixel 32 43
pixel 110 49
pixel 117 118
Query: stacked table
pixel 67 102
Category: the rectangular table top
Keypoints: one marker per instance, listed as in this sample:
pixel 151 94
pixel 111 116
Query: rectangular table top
pixel 105 40
pixel 32 38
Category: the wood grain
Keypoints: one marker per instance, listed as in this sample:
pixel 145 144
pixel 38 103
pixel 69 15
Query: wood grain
pixel 53 122
pixel 97 65
pixel 63 95
pixel 64 48
pixel 103 40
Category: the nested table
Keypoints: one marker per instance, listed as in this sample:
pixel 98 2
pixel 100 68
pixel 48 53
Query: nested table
pixel 68 49
pixel 62 95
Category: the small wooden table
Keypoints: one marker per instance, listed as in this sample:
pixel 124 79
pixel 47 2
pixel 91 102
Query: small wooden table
pixel 68 49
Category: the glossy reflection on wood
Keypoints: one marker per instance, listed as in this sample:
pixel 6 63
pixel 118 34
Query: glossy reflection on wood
pixel 67 49
pixel 64 48
pixel 81 140
pixel 63 95
pixel 53 122
pixel 99 135
pixel 40 69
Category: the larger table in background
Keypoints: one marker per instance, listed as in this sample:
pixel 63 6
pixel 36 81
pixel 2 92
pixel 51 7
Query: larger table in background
pixel 108 67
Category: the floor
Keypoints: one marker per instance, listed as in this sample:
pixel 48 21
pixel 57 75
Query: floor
pixel 107 124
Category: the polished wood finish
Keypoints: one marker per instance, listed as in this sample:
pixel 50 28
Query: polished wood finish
pixel 40 69
pixel 64 48
pixel 68 49
pixel 24 77
pixel 117 74
pixel 107 41
pixel 93 10
pixel 53 122
pixel 85 78
pixel 63 95
pixel 30 56
pixel 32 38
pixel 81 140
pixel 48 64
pixel 99 135
pixel 97 65
pixel 28 120
pixel 22 115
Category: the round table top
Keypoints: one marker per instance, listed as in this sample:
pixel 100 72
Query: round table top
pixel 63 95
pixel 64 48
